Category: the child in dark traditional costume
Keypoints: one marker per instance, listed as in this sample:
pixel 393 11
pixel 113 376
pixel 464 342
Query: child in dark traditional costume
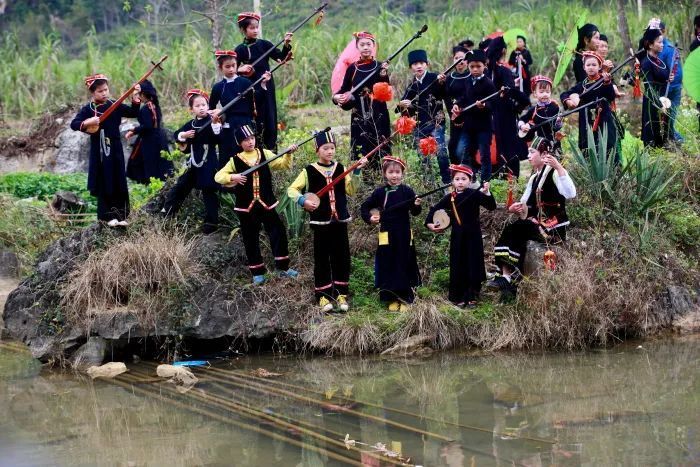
pixel 467 270
pixel 369 121
pixel 145 161
pixel 223 92
pixel 106 174
pixel 476 122
pixel 202 163
pixel 395 266
pixel 545 110
pixel 655 74
pixel 265 99
pixel 542 211
pixel 329 221
pixel 506 109
pixel 256 202
pixel 599 116
pixel 521 58
pixel 588 37
pixel 428 109
pixel 453 88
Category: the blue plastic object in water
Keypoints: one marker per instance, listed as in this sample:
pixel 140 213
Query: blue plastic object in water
pixel 191 363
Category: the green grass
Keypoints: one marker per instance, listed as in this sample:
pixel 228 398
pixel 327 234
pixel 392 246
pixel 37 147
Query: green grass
pixel 50 76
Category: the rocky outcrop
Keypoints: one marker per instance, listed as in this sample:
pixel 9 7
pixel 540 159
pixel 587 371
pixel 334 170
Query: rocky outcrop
pixel 213 309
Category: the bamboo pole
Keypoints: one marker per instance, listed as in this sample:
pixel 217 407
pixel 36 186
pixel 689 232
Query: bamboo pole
pixel 390 409
pixel 255 386
pixel 255 414
pixel 124 383
pixel 236 381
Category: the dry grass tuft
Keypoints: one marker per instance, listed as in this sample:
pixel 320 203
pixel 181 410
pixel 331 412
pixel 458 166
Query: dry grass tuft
pixel 426 319
pixel 135 272
pixel 589 300
pixel 344 335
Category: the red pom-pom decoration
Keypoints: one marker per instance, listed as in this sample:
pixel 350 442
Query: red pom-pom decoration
pixel 428 146
pixel 405 125
pixel 382 92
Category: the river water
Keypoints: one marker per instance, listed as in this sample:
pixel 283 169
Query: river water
pixel 635 404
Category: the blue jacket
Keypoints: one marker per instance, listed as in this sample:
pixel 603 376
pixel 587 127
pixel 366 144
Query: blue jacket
pixel 666 56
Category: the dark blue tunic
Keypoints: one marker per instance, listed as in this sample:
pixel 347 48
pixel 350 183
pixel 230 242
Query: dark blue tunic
pixel 106 171
pixel 395 266
pixel 265 101
pixel 145 161
pixel 467 268
pixel 505 114
pixel 429 107
pixel 241 113
pixel 202 151
pixel 655 75
pixel 369 122
pixel 588 115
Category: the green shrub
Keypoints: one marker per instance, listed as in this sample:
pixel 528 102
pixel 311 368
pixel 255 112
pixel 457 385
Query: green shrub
pixel 43 185
pixel 684 225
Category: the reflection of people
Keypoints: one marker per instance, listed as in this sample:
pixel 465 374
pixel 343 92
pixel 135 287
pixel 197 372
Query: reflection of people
pixel 452 454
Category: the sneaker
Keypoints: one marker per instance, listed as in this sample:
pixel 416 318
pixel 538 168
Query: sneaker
pixel 343 303
pixel 113 223
pixel 471 304
pixel 404 307
pixel 325 305
pixel 291 273
pixel 123 223
pixel 259 280
pixel 499 282
pixel 394 306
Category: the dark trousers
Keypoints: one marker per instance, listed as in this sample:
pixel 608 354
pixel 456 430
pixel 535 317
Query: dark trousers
pixel 479 141
pixel 331 260
pixel 113 206
pixel 251 223
pixel 512 245
pixel 184 185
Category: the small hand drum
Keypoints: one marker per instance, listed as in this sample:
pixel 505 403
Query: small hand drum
pixel 312 197
pixel 441 219
pixel 665 103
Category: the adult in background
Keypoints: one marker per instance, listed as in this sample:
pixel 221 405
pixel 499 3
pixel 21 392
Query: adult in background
pixel 588 37
pixel 671 56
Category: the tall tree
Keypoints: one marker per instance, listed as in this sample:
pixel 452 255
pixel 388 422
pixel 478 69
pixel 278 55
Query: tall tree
pixel 622 26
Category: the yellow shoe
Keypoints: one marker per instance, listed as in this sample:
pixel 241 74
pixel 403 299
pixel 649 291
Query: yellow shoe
pixel 404 308
pixel 343 303
pixel 325 304
pixel 394 306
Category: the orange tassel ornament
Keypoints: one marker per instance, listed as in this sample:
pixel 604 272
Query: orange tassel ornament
pixel 428 146
pixel 637 90
pixel 550 260
pixel 405 125
pixel 382 92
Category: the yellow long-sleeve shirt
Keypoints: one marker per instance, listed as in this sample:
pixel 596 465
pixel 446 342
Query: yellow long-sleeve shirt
pixel 300 185
pixel 223 176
